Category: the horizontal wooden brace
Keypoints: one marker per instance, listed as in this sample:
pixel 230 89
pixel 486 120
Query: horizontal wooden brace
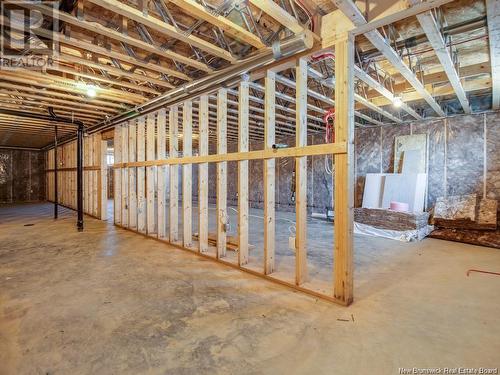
pixel 322 149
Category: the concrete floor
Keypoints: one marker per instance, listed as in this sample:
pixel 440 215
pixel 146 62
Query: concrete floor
pixel 108 301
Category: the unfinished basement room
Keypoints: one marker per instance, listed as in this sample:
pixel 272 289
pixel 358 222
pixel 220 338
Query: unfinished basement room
pixel 250 187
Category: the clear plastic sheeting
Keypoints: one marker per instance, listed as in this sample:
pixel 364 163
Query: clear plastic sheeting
pixel 403 236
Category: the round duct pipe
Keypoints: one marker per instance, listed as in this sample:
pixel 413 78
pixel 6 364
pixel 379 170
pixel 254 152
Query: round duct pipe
pixel 227 77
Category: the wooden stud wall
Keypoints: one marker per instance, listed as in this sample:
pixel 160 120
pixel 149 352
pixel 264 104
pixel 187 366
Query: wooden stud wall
pixel 94 176
pixel 162 179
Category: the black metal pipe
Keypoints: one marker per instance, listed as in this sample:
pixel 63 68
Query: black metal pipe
pixel 39 116
pixel 55 175
pixel 79 177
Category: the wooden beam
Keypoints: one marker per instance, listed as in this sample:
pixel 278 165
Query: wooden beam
pixel 203 176
pixel 382 90
pixel 151 173
pixel 173 132
pixel 132 175
pixel 163 27
pixel 431 29
pixel 290 152
pixel 141 175
pixel 301 174
pixel 187 173
pixel 221 173
pixel 243 126
pixel 493 15
pixel 162 171
pixel 230 28
pixel 279 14
pixel 113 70
pixel 63 84
pixel 269 173
pixel 349 8
pixel 117 174
pixel 116 35
pixel 125 176
pixel 344 171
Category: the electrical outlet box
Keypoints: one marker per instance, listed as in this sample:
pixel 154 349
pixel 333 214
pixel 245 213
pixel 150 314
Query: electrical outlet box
pixel 291 243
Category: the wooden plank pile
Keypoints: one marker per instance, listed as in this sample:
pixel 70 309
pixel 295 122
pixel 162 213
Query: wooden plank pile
pixel 391 220
pixel 468 219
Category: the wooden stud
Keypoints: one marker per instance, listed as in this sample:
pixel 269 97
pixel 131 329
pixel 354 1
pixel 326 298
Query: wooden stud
pixel 125 177
pixel 269 173
pixel 103 191
pixel 141 175
pixel 203 176
pixel 117 174
pixel 187 184
pixel 151 174
pixel 221 173
pixel 344 170
pixel 132 175
pixel 162 173
pixel 243 125
pixel 174 175
pixel 301 174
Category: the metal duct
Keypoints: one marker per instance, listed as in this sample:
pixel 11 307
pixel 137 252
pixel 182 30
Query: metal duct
pixel 227 77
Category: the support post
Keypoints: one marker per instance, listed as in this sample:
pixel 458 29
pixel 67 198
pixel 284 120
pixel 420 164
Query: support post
pixel 124 173
pixel 344 171
pixel 174 174
pixel 79 177
pixel 162 173
pixel 141 175
pixel 269 172
pixel 55 175
pixel 187 171
pixel 221 173
pixel 243 119
pixel 150 174
pixel 203 177
pixel 132 175
pixel 301 174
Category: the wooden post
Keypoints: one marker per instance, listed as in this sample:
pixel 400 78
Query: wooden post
pixel 269 173
pixel 132 175
pixel 301 174
pixel 150 174
pixel 187 171
pixel 203 176
pixel 243 121
pixel 117 171
pixel 344 171
pixel 125 187
pixel 104 181
pixel 141 175
pixel 221 173
pixel 161 171
pixel 173 133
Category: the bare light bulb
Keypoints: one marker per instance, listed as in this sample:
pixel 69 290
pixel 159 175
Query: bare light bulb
pixel 397 101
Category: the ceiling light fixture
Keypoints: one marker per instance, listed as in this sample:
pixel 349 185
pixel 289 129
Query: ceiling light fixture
pixel 91 92
pixel 397 101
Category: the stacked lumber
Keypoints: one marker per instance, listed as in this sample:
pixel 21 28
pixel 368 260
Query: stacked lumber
pixel 391 220
pixel 466 212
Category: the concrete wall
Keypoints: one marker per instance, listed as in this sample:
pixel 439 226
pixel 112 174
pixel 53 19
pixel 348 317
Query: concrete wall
pixel 22 176
pixel 463 154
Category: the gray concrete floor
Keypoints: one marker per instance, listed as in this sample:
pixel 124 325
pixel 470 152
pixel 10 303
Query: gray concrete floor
pixel 108 301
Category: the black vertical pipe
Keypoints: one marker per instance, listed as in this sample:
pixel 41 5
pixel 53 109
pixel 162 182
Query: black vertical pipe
pixel 79 176
pixel 55 175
